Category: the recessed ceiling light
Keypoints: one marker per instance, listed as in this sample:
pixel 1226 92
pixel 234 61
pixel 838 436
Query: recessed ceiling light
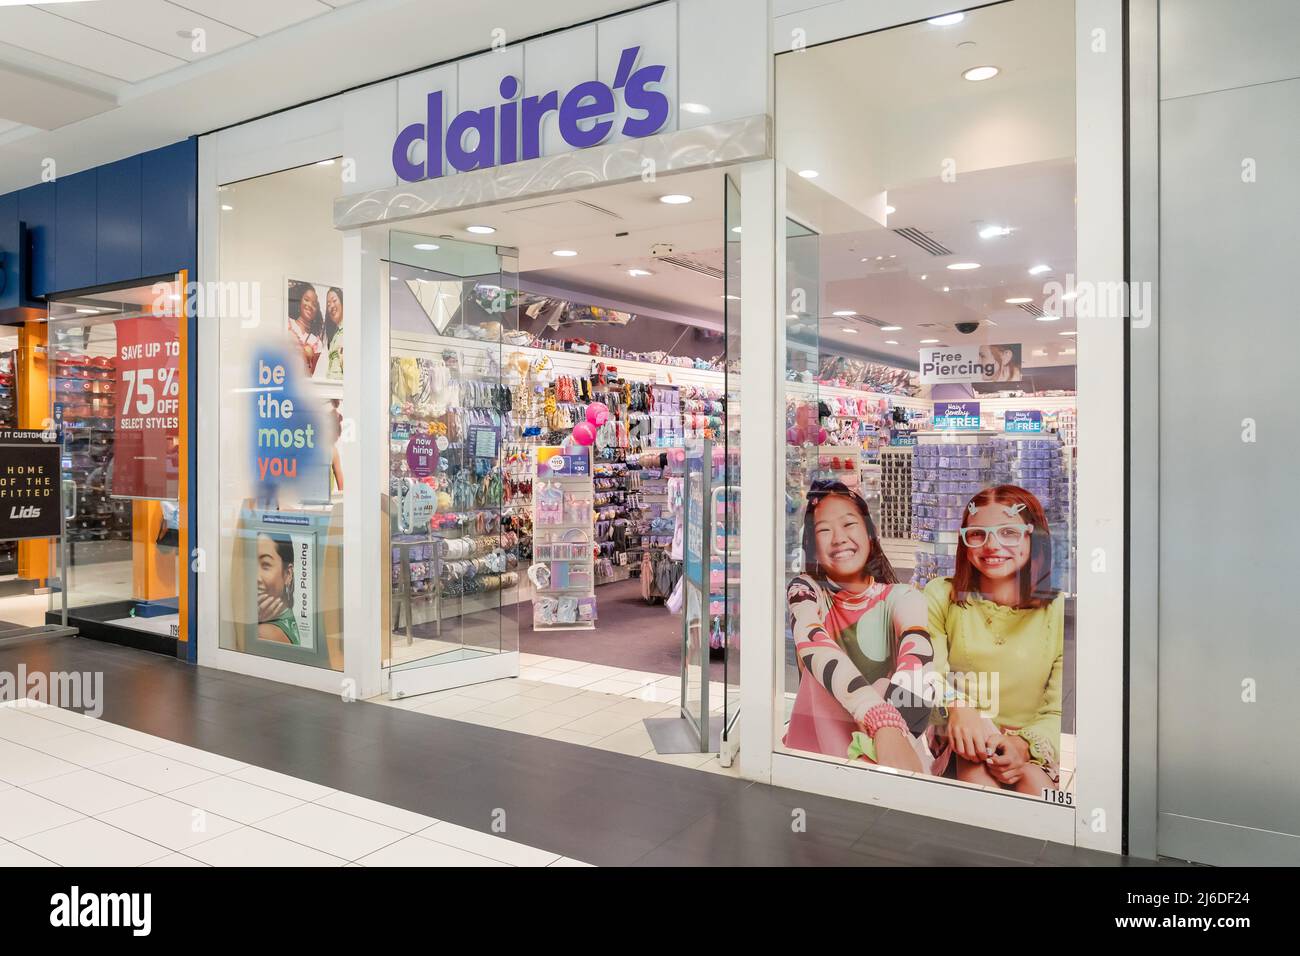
pixel 890 210
pixel 978 73
pixel 866 258
pixel 88 312
pixel 564 253
pixel 699 109
pixel 480 230
pixel 947 19
pixel 227 208
pixel 929 341
pixel 844 313
pixel 891 328
pixel 426 246
pixel 326 162
pixel 808 173
pixel 1019 300
pixel 636 273
pixel 1067 333
pixel 995 232
pixel 879 258
pixel 890 342
pixel 1039 270
pixel 393 279
pixel 963 266
pixel 1049 318
pixel 946 289
pixel 849 331
pixel 675 199
pixel 923 278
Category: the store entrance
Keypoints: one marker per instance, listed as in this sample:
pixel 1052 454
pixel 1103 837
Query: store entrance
pixel 544 407
pixel 113 400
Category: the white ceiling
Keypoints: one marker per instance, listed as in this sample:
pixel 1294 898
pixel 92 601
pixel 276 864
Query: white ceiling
pixel 87 83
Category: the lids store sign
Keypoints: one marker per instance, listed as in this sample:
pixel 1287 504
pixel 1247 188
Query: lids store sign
pixel 30 500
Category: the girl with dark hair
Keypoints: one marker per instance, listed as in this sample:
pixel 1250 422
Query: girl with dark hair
pixel 275 619
pixel 305 322
pixel 860 640
pixel 999 635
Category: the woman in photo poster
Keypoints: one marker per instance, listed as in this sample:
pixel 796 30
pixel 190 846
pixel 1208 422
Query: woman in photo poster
pixel 275 619
pixel 306 325
pixel 334 333
pixel 861 642
pixel 998 623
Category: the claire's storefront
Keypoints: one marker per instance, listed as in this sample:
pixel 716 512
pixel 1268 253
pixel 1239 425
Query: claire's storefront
pixel 746 381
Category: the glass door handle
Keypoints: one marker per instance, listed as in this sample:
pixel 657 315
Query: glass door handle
pixel 69 484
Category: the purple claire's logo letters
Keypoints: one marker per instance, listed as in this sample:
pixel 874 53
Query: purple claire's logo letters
pixel 516 125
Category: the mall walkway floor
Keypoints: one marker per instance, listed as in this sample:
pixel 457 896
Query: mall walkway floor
pixel 574 802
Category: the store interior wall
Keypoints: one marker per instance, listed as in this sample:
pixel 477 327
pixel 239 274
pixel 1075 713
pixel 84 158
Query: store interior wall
pixel 1230 131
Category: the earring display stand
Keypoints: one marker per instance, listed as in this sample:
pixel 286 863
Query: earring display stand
pixel 563 571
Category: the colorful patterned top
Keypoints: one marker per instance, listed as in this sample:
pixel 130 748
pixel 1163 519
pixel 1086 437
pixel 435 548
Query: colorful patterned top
pixel 848 640
pixel 1024 647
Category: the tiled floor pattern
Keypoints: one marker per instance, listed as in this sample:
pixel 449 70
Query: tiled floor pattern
pixel 580 703
pixel 75 791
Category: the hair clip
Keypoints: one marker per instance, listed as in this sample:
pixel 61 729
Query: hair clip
pixel 1013 510
pixel 971 508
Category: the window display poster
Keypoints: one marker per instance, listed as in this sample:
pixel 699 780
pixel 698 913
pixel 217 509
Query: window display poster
pixel 1023 420
pixel 285 581
pixel 959 676
pixel 146 393
pixel 315 326
pixel 291 454
pixel 963 364
pixel 29 485
pixel 957 416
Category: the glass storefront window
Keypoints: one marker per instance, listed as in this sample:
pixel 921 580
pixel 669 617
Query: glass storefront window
pixel 282 464
pixel 930 432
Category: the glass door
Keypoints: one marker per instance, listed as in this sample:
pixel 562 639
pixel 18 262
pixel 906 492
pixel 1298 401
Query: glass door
pixel 112 361
pixel 454 569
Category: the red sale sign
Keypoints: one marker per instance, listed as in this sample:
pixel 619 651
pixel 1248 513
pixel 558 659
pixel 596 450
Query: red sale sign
pixel 147 397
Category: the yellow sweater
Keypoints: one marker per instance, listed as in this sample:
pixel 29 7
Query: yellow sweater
pixel 1023 647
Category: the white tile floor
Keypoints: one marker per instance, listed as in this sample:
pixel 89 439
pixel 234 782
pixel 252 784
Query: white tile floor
pixel 75 791
pixel 580 703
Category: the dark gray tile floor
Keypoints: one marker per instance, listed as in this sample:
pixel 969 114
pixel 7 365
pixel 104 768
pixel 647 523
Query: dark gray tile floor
pixel 589 804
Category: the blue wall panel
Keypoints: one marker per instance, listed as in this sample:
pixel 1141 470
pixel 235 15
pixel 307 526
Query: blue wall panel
pixel 9 251
pixel 36 210
pixel 170 236
pixel 76 232
pixel 118 222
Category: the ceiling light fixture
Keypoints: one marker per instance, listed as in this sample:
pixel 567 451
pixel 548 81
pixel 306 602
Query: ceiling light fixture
pixel 1048 318
pixel 947 20
pixel 844 313
pixel 849 330
pixel 891 328
pixel 480 230
pixel 326 162
pixel 1019 300
pixel 890 210
pixel 1039 270
pixel 1067 333
pixel 636 273
pixel 226 208
pixel 733 298
pixel 923 278
pixel 426 246
pixel 891 342
pixel 977 74
pixel 995 232
pixel 699 109
pixel 963 266
pixel 946 289
pixel 564 253
pixel 675 199
pixel 929 341
pixel 88 312
pixel 808 173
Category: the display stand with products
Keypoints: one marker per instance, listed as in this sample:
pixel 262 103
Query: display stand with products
pixel 563 572
pixel 948 468
pixel 896 492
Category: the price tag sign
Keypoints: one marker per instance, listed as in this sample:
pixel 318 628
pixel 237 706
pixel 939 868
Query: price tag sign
pixel 957 416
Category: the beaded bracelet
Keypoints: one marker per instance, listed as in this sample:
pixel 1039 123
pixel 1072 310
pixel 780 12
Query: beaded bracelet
pixel 883 715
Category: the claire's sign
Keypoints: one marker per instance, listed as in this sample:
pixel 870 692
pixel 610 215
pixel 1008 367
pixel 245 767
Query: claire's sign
pixel 512 130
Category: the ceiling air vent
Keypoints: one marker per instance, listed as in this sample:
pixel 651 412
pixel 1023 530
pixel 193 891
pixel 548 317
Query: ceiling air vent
pixel 1032 309
pixel 692 265
pixel 917 238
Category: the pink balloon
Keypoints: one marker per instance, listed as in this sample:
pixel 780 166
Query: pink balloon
pixel 597 413
pixel 584 434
